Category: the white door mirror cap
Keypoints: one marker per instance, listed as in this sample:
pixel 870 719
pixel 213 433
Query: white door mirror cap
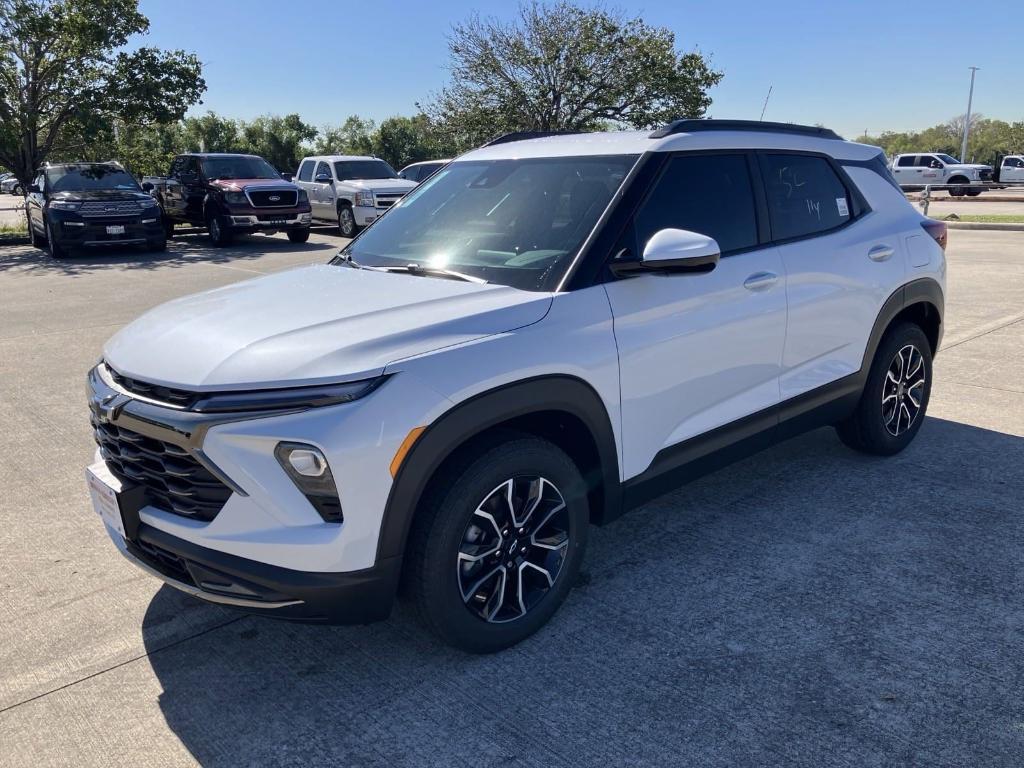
pixel 674 250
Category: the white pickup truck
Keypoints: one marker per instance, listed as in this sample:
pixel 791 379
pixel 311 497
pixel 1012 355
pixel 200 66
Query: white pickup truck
pixel 1011 170
pixel 920 169
pixel 351 190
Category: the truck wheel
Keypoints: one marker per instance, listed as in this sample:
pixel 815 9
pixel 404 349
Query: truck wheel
pixel 957 191
pixel 347 222
pixel 895 397
pixel 497 544
pixel 298 235
pixel 974 191
pixel 220 236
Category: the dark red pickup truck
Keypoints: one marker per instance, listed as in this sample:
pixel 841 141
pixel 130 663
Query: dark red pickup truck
pixel 229 195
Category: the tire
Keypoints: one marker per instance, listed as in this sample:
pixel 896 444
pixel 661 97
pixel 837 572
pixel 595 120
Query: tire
pixel 37 240
pixel 459 560
pixel 957 191
pixel 18 191
pixel 347 226
pixel 158 244
pixel 168 224
pixel 220 237
pixel 902 366
pixel 974 191
pixel 298 235
pixel 57 251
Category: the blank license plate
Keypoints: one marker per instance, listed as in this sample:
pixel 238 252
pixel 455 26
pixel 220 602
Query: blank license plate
pixel 115 229
pixel 104 496
pixel 275 222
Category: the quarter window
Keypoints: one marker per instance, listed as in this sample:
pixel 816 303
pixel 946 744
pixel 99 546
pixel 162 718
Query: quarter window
pixel 805 195
pixel 306 170
pixel 709 194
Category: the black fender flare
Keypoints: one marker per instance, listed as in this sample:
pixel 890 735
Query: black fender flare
pixel 925 290
pixel 477 414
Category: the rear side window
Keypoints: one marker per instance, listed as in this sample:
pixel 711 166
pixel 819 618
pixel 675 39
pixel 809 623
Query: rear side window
pixel 709 194
pixel 306 170
pixel 805 196
pixel 907 161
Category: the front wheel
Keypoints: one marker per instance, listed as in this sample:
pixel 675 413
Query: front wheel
pixel 220 236
pixel 347 222
pixel 298 235
pixel 497 545
pixel 895 397
pixel 974 191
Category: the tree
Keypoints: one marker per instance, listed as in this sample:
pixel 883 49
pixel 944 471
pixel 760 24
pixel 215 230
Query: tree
pixel 63 72
pixel 560 66
pixel 404 140
pixel 279 140
pixel 353 137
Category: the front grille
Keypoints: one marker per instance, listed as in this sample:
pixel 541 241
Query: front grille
pixel 387 200
pixel 115 208
pixel 986 175
pixel 261 198
pixel 156 392
pixel 173 479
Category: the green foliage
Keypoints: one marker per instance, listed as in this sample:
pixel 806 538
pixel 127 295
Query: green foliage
pixel 988 139
pixel 280 140
pixel 561 66
pixel 65 77
pixel 404 140
pixel 353 137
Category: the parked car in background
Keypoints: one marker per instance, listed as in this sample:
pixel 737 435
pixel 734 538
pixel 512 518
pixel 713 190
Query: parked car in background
pixel 351 190
pixel 231 195
pixel 554 330
pixel 86 205
pixel 12 186
pixel 419 171
pixel 919 170
pixel 1011 170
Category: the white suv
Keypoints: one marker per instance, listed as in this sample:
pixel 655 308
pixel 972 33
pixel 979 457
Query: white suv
pixel 352 190
pixel 542 335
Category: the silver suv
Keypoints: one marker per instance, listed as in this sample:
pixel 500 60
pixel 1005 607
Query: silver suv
pixel 352 190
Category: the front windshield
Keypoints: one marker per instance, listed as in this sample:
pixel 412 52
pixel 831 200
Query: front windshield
pixel 363 169
pixel 948 160
pixel 240 167
pixel 76 178
pixel 514 222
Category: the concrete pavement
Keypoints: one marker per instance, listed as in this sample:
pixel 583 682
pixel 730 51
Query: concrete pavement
pixel 806 607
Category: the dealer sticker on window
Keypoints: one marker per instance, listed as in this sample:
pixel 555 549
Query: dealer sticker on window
pixel 841 205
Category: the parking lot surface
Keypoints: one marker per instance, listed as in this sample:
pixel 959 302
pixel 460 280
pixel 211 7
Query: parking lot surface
pixel 806 607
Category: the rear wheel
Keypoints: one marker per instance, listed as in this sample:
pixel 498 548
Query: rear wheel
pixel 895 398
pixel 347 222
pixel 37 240
pixel 497 545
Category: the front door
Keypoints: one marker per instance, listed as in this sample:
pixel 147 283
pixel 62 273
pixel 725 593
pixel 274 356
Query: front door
pixel 321 199
pixel 698 351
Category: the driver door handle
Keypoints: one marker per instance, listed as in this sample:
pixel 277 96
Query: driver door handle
pixel 760 281
pixel 880 252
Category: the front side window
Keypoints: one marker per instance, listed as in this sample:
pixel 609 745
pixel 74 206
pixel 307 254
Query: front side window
pixel 927 161
pixel 1012 162
pixel 352 170
pixel 76 178
pixel 514 222
pixel 306 170
pixel 322 169
pixel 238 167
pixel 709 194
pixel 805 195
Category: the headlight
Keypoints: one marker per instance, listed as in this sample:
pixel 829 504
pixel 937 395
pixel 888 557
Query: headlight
pixel 283 399
pixel 365 197
pixel 235 198
pixel 148 202
pixel 303 197
pixel 64 205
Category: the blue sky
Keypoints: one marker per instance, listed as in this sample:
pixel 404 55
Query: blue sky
pixel 852 66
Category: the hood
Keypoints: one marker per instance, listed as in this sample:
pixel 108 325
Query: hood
pixel 381 185
pixel 974 166
pixel 312 325
pixel 112 195
pixel 237 185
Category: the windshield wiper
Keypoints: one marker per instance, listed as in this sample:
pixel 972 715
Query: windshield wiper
pixel 411 269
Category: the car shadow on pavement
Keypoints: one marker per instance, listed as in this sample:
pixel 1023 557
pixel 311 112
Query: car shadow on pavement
pixel 807 606
pixel 181 251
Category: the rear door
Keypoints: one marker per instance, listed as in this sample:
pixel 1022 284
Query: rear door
pixel 698 351
pixel 841 264
pixel 905 171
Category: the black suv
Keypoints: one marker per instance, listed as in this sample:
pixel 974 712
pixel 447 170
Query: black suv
pixel 80 205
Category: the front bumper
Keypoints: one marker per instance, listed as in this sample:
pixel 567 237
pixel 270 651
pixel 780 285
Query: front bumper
pixel 367 214
pixel 265 222
pixel 74 231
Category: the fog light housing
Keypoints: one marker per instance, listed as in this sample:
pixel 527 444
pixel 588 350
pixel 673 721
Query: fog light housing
pixel 307 466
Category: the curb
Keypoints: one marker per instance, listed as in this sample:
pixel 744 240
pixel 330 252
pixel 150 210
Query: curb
pixel 14 240
pixel 991 226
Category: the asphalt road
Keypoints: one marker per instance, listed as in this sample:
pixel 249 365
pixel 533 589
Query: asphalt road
pixel 806 607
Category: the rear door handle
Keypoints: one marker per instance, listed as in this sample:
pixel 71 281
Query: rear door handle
pixel 880 252
pixel 760 281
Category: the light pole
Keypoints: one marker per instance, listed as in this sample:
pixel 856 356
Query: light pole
pixel 967 121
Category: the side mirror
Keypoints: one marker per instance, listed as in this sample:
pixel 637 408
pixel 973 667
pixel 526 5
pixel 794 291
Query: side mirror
pixel 147 186
pixel 34 189
pixel 287 176
pixel 323 178
pixel 673 250
pixel 935 164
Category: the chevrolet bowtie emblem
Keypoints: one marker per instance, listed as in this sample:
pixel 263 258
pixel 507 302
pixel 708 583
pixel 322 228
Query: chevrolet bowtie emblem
pixel 109 406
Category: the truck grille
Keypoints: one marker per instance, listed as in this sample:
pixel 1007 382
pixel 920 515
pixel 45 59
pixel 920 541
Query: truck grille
pixel 263 198
pixel 113 208
pixel 173 479
pixel 985 175
pixel 388 199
